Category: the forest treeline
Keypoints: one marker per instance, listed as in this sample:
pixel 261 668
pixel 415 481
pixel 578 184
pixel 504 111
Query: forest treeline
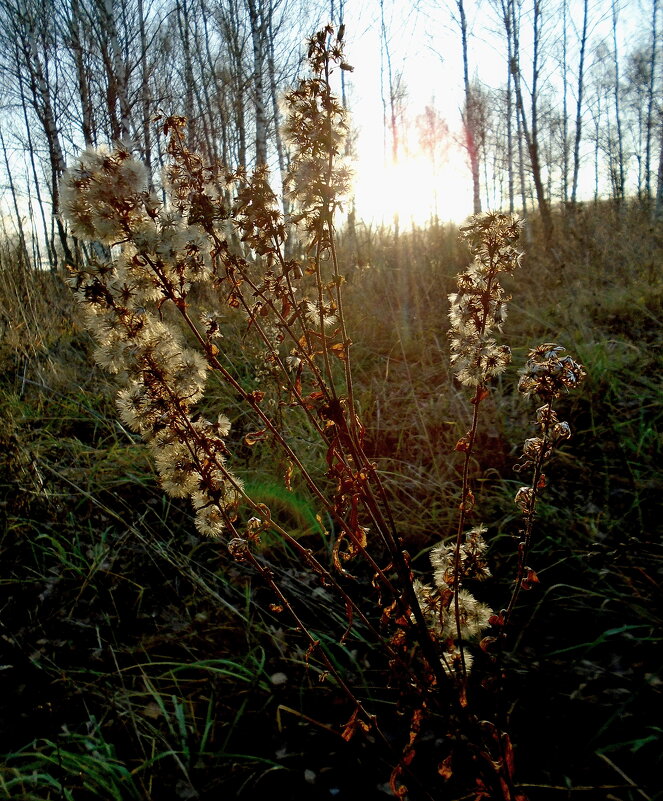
pixel 578 115
pixel 83 73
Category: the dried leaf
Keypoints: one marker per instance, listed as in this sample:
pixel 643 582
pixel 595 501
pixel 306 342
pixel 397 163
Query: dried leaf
pixel 286 307
pixel 481 394
pixel 310 401
pixel 254 437
pixel 507 750
pixel 529 579
pixel 350 727
pixel 340 349
pixel 388 612
pixel 255 397
pixel 468 503
pixel 347 547
pixel 482 791
pixel 398 789
pixel 444 768
pixel 287 476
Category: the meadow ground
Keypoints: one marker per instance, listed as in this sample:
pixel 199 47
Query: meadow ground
pixel 140 662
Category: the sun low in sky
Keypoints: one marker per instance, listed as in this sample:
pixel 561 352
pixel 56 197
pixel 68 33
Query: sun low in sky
pixel 414 188
pixel 419 51
pixel 430 177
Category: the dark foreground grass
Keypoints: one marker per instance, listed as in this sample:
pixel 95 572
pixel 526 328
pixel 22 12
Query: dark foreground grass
pixel 140 662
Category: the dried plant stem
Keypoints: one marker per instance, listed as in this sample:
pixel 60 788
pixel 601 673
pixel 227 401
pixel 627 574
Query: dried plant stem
pixel 465 500
pixel 529 513
pixel 409 602
pixel 466 495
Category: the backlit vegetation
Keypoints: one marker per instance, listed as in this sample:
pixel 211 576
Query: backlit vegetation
pixel 308 418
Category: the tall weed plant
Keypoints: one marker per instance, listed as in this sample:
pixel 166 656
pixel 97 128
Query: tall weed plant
pixel 217 256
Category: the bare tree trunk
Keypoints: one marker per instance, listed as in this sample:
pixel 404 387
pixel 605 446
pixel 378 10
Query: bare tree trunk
pixel 505 10
pixel 221 124
pixel 182 10
pixel 581 86
pixel 392 114
pixel 519 130
pixel 50 244
pixel 509 131
pixel 205 72
pixel 42 102
pixel 88 126
pixel 258 42
pixel 597 132
pixel 19 221
pixel 238 85
pixel 145 96
pixel 273 89
pixel 531 134
pixel 470 114
pixel 199 87
pixel 116 69
pixel 565 113
pixel 650 100
pixel 241 129
pixel 619 173
pixel 658 208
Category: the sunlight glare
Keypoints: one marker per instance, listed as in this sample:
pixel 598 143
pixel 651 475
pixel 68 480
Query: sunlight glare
pixel 414 189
